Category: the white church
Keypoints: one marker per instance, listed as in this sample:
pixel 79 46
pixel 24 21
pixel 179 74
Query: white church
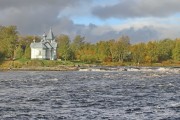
pixel 46 48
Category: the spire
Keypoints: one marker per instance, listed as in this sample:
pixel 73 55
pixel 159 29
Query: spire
pixel 34 40
pixel 50 35
pixel 44 37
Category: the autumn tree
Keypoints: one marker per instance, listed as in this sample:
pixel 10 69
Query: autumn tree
pixel 103 51
pixel 8 39
pixel 112 49
pixel 122 47
pixel 176 50
pixel 18 53
pixel 64 50
pixel 88 53
pixel 165 48
pixel 27 52
pixel 76 45
pixel 138 53
pixel 152 52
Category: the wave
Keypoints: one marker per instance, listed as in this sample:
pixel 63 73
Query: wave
pixel 133 69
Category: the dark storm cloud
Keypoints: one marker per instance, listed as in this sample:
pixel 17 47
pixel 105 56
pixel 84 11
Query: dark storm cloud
pixel 5 4
pixel 33 16
pixel 138 8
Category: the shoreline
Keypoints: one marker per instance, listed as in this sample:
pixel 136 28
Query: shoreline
pixel 62 68
pixel 80 68
pixel 45 65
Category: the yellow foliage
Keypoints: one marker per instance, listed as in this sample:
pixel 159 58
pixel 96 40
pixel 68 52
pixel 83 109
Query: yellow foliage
pixel 148 59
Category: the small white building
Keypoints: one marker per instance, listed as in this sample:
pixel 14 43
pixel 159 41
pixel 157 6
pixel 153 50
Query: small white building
pixel 45 49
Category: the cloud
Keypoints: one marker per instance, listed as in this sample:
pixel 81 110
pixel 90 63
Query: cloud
pixel 33 16
pixel 136 35
pixel 143 34
pixel 137 31
pixel 94 33
pixel 138 8
pixel 5 4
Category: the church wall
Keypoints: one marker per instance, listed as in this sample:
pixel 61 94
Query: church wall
pixel 43 53
pixel 54 54
pixel 48 55
pixel 36 53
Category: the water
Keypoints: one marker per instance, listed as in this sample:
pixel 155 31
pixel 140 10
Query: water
pixel 103 95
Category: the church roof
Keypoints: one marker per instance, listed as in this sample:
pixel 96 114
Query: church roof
pixel 44 45
pixel 50 35
pixel 47 42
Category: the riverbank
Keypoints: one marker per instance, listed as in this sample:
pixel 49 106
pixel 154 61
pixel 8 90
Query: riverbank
pixel 46 65
pixel 58 68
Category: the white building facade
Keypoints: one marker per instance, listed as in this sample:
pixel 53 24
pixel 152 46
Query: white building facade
pixel 45 49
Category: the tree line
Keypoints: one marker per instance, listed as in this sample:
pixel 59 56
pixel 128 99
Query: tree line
pixel 15 46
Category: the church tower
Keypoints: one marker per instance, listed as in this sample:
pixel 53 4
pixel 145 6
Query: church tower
pixel 46 48
pixel 50 36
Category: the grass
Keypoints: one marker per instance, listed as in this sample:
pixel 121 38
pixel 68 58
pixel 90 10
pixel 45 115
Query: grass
pixel 25 63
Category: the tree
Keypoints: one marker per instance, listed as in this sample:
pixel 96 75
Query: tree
pixel 88 53
pixel 165 48
pixel 138 53
pixel 27 53
pixel 103 51
pixel 8 39
pixel 77 44
pixel 176 50
pixel 152 52
pixel 112 49
pixel 64 50
pixel 18 53
pixel 122 46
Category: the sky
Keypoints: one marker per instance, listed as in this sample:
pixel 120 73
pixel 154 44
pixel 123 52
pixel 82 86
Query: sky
pixel 96 20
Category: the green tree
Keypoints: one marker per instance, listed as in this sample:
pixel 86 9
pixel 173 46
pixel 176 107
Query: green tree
pixel 64 50
pixel 8 39
pixel 176 50
pixel 76 45
pixel 152 52
pixel 18 53
pixel 103 51
pixel 122 48
pixel 165 48
pixel 27 53
pixel 138 53
pixel 112 49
